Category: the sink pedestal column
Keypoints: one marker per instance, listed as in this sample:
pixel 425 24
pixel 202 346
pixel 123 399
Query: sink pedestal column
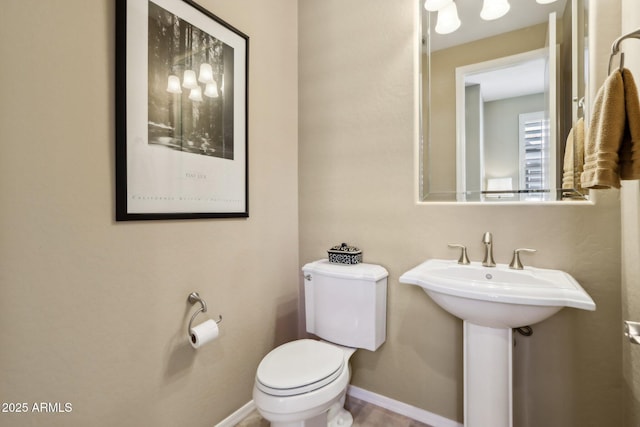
pixel 488 384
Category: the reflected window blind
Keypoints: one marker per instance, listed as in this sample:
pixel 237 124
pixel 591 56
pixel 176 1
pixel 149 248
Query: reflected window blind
pixel 534 155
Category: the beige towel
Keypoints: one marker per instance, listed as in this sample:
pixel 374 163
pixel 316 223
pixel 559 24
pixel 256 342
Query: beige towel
pixel 630 148
pixel 574 157
pixel 604 135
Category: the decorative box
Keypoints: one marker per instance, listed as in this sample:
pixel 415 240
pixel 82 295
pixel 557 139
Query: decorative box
pixel 345 254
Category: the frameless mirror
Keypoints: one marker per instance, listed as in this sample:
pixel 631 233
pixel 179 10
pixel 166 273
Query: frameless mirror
pixel 500 99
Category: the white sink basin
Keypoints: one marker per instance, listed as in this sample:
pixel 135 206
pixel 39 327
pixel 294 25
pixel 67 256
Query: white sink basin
pixel 498 297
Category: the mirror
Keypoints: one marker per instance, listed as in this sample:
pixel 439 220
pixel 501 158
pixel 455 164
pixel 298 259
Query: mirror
pixel 499 101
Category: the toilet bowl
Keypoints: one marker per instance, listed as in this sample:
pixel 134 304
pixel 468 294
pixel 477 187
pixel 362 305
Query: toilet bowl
pixel 303 383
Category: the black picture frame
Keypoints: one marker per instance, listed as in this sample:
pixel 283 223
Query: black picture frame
pixel 181 113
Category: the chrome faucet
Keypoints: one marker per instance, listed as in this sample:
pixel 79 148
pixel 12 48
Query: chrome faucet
pixel 488 261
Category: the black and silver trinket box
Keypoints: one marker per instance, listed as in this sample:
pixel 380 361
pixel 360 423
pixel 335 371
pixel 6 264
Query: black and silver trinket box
pixel 345 254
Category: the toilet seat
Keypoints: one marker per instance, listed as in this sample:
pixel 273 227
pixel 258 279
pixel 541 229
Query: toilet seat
pixel 299 367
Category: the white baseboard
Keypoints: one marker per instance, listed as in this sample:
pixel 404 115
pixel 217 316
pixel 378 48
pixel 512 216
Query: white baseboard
pixel 401 408
pixel 238 415
pixel 367 396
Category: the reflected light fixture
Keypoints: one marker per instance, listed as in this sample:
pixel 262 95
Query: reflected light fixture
pixel 196 94
pixel 435 5
pixel 448 20
pixel 189 79
pixel 545 1
pixel 173 85
pixel 207 86
pixel 211 90
pixel 494 9
pixel 206 74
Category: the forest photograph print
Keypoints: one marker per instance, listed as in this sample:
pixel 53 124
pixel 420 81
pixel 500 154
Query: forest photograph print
pixel 181 112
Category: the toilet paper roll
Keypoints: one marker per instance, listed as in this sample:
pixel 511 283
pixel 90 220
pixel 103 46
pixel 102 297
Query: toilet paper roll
pixel 203 333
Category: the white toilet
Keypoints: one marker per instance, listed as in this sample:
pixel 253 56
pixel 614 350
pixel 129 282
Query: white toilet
pixel 303 383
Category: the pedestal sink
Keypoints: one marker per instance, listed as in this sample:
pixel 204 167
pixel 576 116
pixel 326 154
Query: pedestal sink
pixel 492 301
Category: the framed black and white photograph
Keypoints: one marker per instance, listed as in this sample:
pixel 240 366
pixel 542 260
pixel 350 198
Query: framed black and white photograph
pixel 181 113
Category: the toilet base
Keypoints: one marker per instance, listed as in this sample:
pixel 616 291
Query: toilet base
pixel 342 418
pixel 336 416
pixel 317 421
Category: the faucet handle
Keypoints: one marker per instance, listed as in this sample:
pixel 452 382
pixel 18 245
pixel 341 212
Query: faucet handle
pixel 464 259
pixel 515 261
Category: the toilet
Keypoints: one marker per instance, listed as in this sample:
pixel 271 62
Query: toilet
pixel 303 383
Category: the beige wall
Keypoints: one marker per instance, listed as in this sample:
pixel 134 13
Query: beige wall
pixel 94 312
pixel 356 185
pixel 630 195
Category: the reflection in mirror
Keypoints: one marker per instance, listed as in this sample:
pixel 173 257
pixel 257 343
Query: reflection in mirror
pixel 500 99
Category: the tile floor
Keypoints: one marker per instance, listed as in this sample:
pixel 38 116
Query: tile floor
pixel 364 415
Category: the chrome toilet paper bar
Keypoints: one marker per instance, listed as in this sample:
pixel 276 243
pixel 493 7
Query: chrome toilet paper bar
pixel 194 297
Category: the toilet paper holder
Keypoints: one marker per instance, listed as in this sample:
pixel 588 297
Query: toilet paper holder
pixel 194 297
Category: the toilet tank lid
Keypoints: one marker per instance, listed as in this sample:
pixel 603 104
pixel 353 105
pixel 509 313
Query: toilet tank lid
pixel 361 271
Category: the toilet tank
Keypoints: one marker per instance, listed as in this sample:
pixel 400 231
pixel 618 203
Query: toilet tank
pixel 346 304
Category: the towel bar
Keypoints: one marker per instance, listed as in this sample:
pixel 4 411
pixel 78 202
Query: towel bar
pixel 615 48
